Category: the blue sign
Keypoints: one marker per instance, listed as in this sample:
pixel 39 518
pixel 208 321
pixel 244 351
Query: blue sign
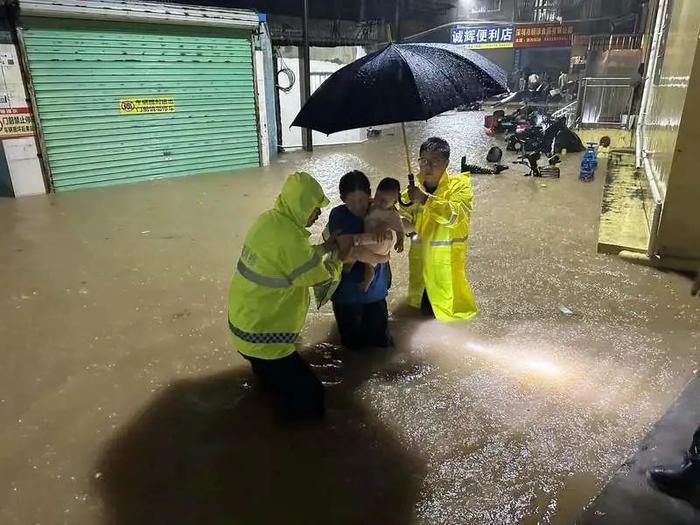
pixel 483 36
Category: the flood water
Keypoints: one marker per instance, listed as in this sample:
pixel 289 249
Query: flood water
pixel 122 401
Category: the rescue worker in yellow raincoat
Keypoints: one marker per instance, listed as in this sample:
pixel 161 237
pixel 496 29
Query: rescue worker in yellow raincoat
pixel 440 215
pixel 269 295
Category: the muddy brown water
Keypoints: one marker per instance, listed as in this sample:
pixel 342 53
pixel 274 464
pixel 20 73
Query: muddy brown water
pixel 122 401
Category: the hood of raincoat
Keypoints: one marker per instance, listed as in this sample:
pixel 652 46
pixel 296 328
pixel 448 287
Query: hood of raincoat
pixel 300 195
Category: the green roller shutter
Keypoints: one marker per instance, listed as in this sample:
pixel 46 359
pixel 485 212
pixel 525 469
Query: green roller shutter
pixel 83 71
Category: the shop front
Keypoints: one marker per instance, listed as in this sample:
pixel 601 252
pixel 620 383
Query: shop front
pixel 543 49
pixel 126 92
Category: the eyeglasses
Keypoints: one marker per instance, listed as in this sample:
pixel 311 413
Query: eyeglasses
pixel 427 163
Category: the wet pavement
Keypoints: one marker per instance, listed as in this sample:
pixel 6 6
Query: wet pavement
pixel 631 498
pixel 122 402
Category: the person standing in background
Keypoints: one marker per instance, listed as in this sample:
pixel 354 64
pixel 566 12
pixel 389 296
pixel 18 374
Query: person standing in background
pixel 563 81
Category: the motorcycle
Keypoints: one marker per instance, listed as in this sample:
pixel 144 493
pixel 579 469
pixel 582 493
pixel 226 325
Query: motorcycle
pixel 526 138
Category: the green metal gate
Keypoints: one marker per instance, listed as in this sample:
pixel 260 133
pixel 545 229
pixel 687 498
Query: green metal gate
pixel 122 102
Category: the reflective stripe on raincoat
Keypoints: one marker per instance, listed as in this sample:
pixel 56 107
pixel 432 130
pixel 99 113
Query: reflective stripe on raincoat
pixel 438 254
pixel 269 295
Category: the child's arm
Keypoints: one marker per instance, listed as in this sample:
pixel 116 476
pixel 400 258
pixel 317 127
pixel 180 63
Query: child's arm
pixel 399 243
pixel 394 222
pixel 365 255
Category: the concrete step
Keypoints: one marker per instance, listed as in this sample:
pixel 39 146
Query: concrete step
pixel 627 208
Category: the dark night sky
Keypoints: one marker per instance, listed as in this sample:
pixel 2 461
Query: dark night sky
pixel 336 9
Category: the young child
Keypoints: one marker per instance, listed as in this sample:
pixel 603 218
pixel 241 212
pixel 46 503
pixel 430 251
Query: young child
pixel 383 231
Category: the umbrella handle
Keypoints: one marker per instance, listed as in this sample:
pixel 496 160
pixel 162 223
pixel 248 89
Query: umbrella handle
pixel 411 178
pixel 411 184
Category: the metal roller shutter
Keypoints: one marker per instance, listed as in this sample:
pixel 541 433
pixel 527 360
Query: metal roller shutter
pixel 195 85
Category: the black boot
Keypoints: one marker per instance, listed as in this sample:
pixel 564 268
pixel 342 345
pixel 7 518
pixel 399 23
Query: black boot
pixel 425 307
pixel 687 476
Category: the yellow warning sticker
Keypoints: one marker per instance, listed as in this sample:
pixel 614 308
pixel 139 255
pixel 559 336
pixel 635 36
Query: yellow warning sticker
pixel 140 105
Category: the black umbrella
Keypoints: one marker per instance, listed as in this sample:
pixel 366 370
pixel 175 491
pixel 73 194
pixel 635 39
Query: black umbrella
pixel 400 83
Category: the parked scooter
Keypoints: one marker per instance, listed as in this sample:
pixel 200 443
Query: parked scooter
pixel 526 138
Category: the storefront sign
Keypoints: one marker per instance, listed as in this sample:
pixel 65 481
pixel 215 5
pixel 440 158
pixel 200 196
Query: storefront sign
pixel 136 106
pixel 543 35
pixel 16 122
pixel 483 37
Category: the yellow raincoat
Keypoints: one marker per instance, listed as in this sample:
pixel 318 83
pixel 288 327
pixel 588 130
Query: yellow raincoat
pixel 438 255
pixel 269 295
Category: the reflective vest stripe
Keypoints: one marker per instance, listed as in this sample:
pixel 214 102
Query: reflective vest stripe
pixel 448 243
pixel 262 280
pixel 277 282
pixel 418 240
pixel 263 337
pixel 308 265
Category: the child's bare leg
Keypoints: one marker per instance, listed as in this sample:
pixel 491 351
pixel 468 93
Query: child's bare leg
pixel 368 278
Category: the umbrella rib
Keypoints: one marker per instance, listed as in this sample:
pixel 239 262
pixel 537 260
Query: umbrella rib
pixel 413 77
pixel 442 72
pixel 448 78
pixel 481 68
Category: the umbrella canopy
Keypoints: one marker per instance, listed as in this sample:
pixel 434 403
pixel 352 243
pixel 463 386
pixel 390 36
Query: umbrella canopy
pixel 400 83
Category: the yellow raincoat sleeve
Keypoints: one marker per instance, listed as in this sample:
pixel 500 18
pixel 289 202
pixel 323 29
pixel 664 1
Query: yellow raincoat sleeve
pixel 313 268
pixel 446 210
pixel 408 213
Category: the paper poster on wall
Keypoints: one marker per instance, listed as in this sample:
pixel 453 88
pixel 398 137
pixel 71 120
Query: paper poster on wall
pixel 7 59
pixel 16 122
pixel 16 118
pixel 141 105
